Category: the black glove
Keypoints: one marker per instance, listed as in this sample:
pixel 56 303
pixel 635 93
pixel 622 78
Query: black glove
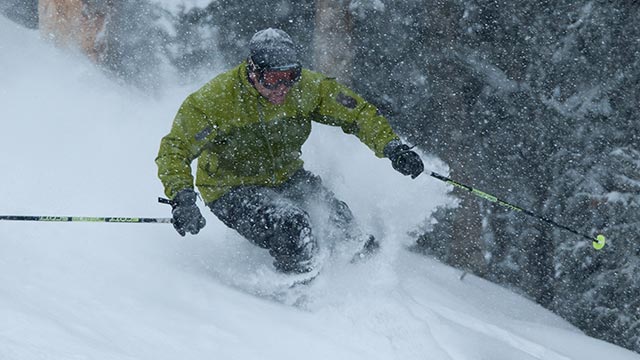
pixel 186 214
pixel 403 159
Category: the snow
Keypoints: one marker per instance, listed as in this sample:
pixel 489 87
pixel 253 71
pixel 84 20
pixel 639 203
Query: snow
pixel 75 143
pixel 270 35
pixel 176 5
pixel 357 6
pixel 585 102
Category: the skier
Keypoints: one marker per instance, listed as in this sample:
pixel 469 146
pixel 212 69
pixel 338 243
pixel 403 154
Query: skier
pixel 246 127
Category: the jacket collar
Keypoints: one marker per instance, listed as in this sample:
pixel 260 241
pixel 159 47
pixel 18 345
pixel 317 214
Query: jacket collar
pixel 243 76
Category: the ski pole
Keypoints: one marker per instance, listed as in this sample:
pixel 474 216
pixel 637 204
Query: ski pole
pixel 121 220
pixel 112 219
pixel 598 242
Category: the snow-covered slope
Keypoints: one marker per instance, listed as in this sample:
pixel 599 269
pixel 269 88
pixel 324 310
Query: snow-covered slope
pixel 74 143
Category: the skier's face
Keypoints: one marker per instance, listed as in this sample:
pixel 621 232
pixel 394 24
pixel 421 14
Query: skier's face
pixel 272 79
pixel 274 86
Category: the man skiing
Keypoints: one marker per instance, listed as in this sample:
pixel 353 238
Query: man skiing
pixel 246 127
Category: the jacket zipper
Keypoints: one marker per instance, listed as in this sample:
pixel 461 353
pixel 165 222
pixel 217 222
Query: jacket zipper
pixel 263 125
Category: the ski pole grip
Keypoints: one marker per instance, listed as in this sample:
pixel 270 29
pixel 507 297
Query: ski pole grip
pixel 162 200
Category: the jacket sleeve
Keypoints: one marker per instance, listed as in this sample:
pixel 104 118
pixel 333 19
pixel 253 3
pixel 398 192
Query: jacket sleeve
pixel 340 106
pixel 181 146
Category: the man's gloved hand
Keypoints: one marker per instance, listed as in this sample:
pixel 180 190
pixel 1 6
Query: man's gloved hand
pixel 403 159
pixel 186 214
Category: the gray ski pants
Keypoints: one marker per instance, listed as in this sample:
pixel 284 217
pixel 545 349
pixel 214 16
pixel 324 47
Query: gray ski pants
pixel 277 218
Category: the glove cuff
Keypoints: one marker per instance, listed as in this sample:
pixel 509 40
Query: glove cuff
pixel 393 148
pixel 185 197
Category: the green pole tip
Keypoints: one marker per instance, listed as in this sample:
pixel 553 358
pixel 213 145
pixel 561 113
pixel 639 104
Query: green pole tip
pixel 599 242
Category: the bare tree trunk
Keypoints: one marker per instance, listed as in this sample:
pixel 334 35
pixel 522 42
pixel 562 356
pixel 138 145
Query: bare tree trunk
pixel 465 247
pixel 75 24
pixel 333 50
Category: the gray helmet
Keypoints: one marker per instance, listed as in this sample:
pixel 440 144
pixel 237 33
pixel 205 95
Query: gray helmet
pixel 272 49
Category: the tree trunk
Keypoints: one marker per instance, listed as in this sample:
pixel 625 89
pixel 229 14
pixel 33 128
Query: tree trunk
pixel 466 246
pixel 75 24
pixel 333 47
pixel 452 98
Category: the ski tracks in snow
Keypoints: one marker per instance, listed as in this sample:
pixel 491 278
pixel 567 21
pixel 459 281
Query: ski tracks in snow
pixel 448 323
pixel 389 301
pixel 386 298
pixel 443 321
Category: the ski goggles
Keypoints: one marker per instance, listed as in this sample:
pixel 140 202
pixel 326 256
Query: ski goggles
pixel 273 78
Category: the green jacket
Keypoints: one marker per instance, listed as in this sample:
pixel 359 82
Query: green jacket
pixel 240 138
